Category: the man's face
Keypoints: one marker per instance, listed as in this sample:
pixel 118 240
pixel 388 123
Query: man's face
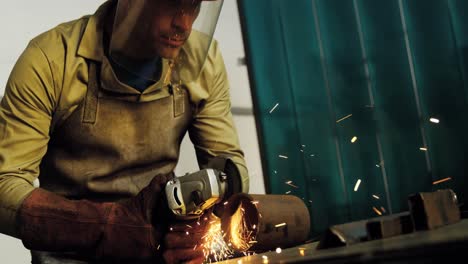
pixel 167 25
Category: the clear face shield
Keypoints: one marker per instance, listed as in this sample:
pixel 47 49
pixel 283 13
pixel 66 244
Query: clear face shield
pixel 153 38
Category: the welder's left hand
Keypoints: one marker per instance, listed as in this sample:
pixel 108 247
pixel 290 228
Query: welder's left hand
pixel 184 240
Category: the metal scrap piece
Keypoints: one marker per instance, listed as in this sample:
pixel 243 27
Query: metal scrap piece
pixel 430 210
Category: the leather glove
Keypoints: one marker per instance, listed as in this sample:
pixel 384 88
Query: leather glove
pixel 110 230
pixel 183 243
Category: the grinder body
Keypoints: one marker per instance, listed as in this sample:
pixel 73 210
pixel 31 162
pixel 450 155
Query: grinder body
pixel 190 195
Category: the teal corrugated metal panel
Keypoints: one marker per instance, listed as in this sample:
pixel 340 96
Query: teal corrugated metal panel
pixel 300 127
pixel 395 103
pixel 441 88
pixel 316 146
pixel 278 125
pixel 348 86
pixel 458 10
pixel 388 66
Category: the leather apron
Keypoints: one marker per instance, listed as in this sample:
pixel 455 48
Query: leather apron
pixel 110 148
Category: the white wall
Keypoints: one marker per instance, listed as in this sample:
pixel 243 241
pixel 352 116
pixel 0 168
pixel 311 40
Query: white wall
pixel 21 20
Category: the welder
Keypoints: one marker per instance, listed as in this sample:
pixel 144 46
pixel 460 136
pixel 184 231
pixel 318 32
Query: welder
pixel 91 124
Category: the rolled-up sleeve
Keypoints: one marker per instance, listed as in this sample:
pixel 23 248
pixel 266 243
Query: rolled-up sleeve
pixel 25 117
pixel 213 132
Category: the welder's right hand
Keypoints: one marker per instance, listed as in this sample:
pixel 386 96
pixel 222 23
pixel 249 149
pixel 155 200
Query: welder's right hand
pixel 112 230
pixel 183 243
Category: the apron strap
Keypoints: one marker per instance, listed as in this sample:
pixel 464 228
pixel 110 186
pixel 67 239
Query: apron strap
pixel 91 100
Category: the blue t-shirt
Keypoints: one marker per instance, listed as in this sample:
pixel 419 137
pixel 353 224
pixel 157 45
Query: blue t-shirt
pixel 134 77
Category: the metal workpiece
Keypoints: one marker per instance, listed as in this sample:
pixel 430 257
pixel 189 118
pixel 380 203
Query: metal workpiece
pixel 365 230
pixel 389 226
pixel 430 210
pixel 260 223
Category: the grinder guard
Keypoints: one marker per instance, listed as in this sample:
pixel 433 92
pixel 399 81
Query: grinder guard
pixel 190 195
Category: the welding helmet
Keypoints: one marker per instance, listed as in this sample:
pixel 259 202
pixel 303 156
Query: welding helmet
pixel 175 34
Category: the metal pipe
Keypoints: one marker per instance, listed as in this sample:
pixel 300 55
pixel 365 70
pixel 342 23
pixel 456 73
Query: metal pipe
pixel 252 222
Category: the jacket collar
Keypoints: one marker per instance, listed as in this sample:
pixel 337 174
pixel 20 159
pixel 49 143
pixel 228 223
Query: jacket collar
pixel 92 42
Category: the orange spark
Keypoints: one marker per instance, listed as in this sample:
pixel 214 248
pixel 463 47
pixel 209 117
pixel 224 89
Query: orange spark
pixel 240 232
pixel 302 251
pixel 291 184
pixel 213 244
pixel 376 211
pixel 442 180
